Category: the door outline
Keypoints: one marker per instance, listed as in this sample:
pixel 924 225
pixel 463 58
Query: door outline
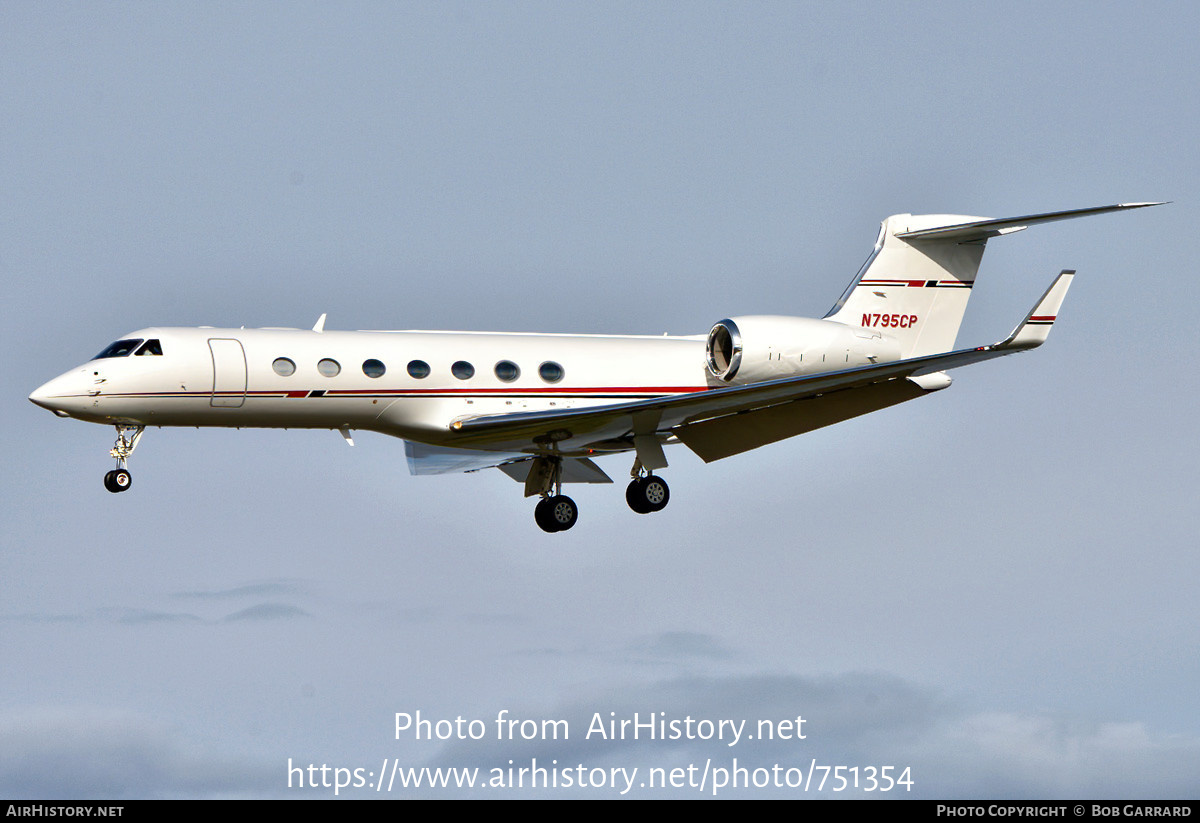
pixel 229 372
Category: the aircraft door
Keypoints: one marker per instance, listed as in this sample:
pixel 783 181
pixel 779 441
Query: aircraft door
pixel 229 373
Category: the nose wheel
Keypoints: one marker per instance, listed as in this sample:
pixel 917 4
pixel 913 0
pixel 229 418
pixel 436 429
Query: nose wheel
pixel 647 494
pixel 119 479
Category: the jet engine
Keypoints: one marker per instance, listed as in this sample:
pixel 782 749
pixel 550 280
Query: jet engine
pixel 743 350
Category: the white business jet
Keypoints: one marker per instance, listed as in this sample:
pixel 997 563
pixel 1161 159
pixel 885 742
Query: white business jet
pixel 540 406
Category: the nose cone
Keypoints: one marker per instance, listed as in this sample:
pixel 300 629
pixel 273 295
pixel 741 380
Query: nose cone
pixel 60 395
pixel 43 396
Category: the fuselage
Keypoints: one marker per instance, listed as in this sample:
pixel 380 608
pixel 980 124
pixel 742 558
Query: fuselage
pixel 409 384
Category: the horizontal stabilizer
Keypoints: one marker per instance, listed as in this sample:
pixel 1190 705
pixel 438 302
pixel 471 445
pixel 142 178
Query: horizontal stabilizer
pixel 983 229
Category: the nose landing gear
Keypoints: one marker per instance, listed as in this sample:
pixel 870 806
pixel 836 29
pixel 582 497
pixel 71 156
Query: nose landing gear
pixel 119 479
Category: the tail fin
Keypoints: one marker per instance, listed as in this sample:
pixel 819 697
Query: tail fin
pixel 916 283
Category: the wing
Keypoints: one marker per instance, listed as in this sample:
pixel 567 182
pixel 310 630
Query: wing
pixel 723 421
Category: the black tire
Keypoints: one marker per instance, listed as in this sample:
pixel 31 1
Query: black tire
pixel 543 517
pixel 108 481
pixel 121 480
pixel 634 496
pixel 647 494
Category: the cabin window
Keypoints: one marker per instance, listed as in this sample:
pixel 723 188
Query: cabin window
pixel 119 349
pixel 418 369
pixel 551 372
pixel 462 370
pixel 284 367
pixel 373 368
pixel 508 371
pixel 150 347
pixel 328 367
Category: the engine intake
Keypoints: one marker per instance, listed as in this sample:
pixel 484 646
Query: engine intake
pixel 724 350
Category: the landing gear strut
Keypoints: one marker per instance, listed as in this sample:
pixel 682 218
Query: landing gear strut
pixel 555 512
pixel 119 479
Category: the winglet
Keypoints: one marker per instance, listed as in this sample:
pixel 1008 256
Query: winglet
pixel 1035 328
pixel 319 326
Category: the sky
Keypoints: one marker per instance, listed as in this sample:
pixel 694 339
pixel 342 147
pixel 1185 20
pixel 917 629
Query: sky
pixel 990 590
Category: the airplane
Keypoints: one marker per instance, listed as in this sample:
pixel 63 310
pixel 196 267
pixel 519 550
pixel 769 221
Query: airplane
pixel 541 407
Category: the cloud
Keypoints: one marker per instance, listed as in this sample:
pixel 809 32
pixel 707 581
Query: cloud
pixel 267 611
pixel 854 720
pixel 675 650
pixel 681 645
pixel 109 614
pixel 134 616
pixel 1007 754
pixel 266 588
pixel 65 753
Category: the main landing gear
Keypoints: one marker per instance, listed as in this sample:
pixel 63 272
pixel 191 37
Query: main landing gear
pixel 647 494
pixel 119 479
pixel 555 512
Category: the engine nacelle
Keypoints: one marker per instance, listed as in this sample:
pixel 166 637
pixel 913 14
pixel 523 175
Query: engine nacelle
pixel 751 349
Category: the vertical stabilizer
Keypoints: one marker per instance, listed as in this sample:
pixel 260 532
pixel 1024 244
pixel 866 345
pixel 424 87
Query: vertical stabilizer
pixel 916 283
pixel 914 290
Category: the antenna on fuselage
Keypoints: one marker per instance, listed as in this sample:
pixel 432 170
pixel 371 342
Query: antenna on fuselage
pixel 319 326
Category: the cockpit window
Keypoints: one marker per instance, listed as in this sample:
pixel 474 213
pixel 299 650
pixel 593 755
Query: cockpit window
pixel 121 348
pixel 151 346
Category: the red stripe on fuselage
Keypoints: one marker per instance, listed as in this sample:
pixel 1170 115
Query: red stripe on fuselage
pixel 614 391
pixel 651 390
